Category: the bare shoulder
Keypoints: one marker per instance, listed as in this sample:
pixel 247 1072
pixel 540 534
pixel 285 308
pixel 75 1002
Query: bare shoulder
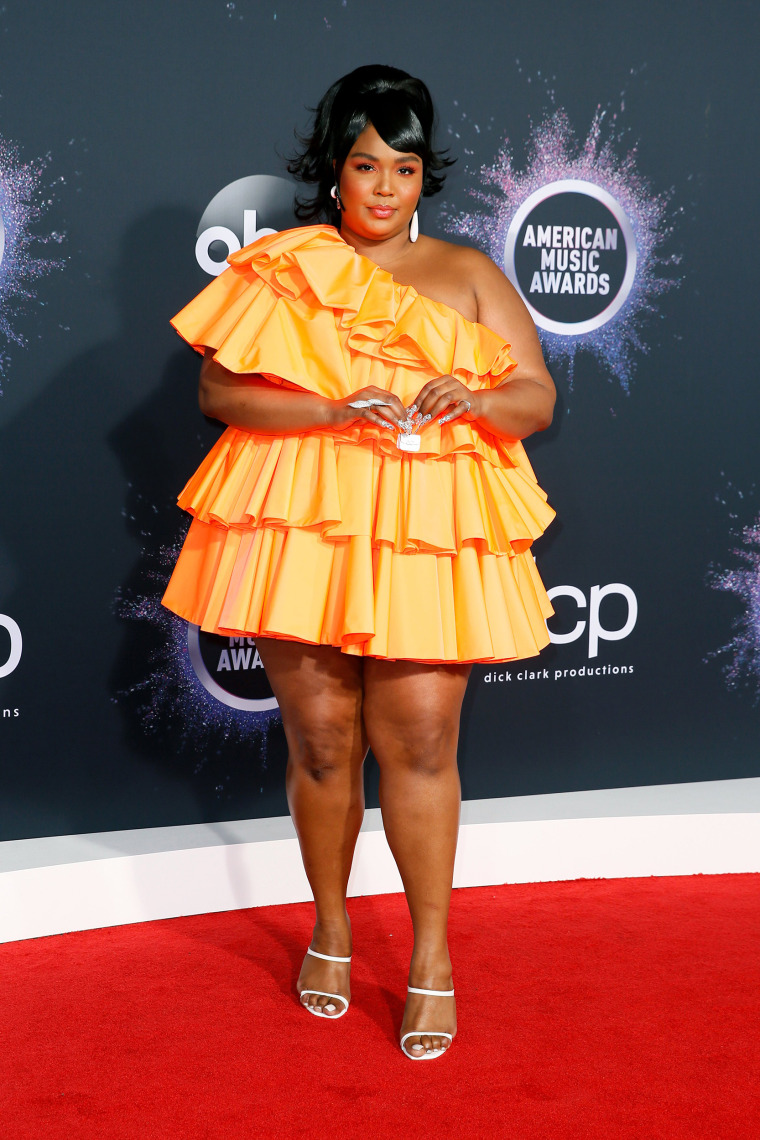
pixel 474 265
pixel 460 258
pixel 453 274
pixel 498 305
pixel 485 274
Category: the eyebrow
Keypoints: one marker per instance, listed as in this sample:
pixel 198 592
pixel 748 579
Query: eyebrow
pixel 374 158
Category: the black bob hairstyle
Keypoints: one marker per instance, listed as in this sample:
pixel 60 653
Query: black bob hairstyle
pixel 400 109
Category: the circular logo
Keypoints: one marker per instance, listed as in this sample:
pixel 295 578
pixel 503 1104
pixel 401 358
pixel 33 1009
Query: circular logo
pixel 230 669
pixel 239 214
pixel 571 254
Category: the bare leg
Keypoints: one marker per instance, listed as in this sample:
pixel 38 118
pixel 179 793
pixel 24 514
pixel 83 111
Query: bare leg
pixel 411 712
pixel 319 691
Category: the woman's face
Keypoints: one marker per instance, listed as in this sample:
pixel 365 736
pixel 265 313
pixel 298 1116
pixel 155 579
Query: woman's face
pixel 379 187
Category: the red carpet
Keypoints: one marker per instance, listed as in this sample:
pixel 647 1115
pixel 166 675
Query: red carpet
pixel 586 1009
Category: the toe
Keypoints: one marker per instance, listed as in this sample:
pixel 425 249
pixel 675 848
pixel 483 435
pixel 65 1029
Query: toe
pixel 322 1003
pixel 328 1005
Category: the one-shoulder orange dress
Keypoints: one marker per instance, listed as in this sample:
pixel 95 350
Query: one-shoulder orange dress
pixel 338 537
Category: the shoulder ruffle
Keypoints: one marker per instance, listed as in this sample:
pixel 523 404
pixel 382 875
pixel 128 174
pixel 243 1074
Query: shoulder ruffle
pixel 303 307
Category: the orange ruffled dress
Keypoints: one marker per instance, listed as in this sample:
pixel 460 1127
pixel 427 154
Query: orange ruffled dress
pixel 337 537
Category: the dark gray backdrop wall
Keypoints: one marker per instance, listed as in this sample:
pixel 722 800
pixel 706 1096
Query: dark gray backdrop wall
pixel 147 111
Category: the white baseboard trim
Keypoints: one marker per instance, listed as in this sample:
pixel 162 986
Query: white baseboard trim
pixel 96 881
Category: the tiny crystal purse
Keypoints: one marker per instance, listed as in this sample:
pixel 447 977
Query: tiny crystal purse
pixel 407 439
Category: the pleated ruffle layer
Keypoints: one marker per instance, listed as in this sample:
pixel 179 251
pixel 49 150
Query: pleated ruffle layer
pixel 339 538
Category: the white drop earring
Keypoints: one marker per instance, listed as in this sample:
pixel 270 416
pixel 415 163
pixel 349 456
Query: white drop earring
pixel 414 227
pixel 334 194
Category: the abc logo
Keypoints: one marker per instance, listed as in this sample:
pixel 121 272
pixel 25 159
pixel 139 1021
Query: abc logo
pixel 571 253
pixel 14 655
pixel 239 214
pixel 230 669
pixel 596 631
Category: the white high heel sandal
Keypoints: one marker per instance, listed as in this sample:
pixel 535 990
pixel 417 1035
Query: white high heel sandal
pixel 430 1054
pixel 323 993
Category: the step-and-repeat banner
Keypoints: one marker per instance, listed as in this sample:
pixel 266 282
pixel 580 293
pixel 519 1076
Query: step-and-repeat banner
pixel 607 160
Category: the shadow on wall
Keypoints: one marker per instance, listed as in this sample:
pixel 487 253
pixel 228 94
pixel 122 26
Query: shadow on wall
pixel 233 761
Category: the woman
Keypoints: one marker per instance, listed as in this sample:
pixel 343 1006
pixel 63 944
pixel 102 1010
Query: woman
pixel 369 512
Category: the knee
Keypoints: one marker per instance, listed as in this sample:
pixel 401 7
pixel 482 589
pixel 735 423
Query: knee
pixel 326 751
pixel 429 753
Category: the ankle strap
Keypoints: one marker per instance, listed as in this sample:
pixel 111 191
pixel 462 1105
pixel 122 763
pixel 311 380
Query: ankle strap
pixel 433 993
pixel 327 957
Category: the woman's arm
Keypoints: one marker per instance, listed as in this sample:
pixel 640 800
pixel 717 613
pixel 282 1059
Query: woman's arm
pixel 254 404
pixel 524 402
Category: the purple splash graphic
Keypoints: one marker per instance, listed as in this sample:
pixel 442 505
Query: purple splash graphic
pixel 170 693
pixel 742 667
pixel 24 199
pixel 554 155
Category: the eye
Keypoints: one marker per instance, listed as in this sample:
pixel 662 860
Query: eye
pixel 407 170
pixel 364 166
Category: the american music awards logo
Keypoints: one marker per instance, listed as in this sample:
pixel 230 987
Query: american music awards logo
pixel 230 670
pixel 24 199
pixel 571 253
pixel 581 235
pixel 208 687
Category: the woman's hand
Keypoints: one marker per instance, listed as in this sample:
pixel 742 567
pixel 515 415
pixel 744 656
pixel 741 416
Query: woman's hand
pixel 254 403
pixel 342 415
pixel 448 398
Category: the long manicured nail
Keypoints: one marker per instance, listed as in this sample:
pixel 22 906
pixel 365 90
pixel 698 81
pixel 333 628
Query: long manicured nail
pixel 412 410
pixel 425 419
pixel 444 420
